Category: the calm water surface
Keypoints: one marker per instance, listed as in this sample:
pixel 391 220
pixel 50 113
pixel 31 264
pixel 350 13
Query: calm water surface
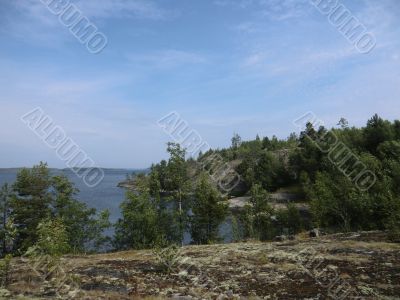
pixel 106 195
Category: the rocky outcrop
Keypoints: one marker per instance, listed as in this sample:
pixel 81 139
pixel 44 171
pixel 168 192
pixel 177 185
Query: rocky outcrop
pixel 366 263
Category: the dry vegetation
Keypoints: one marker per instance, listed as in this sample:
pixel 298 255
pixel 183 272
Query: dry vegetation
pixel 366 261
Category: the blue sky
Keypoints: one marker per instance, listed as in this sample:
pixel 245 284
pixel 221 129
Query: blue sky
pixel 246 66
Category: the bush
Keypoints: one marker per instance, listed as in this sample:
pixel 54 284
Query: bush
pixel 393 227
pixel 53 238
pixel 5 267
pixel 52 243
pixel 168 258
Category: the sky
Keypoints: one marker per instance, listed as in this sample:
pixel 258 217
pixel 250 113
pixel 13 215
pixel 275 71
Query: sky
pixel 245 66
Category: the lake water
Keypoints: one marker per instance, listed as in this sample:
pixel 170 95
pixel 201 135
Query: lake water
pixel 106 195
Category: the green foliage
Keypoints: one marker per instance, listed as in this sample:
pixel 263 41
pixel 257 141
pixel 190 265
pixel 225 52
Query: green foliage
pixel 270 172
pixel 246 218
pixel 177 181
pixel 246 171
pixel 83 225
pixel 166 187
pixel 39 197
pixel 377 132
pixel 269 164
pixel 261 212
pixel 138 227
pixel 343 123
pixel 5 270
pixel 236 141
pixel 257 217
pixel 237 235
pixel 9 234
pixel 52 238
pixel 176 168
pixel 168 257
pixel 31 203
pixel 393 227
pixel 209 211
pixel 266 168
pixel 7 230
pixel 335 201
pixel 289 220
pixel 45 256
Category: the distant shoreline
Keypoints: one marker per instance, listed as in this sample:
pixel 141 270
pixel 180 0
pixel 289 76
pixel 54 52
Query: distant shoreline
pixel 66 169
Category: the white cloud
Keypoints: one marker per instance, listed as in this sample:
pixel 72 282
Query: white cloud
pixel 275 10
pixel 85 108
pixel 31 21
pixel 99 9
pixel 124 9
pixel 167 58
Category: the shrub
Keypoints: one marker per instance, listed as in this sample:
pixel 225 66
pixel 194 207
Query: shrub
pixel 393 227
pixel 5 267
pixel 168 256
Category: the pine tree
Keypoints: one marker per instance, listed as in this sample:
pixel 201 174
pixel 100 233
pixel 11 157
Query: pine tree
pixel 5 211
pixel 209 211
pixel 260 212
pixel 178 181
pixel 84 226
pixel 138 226
pixel 31 203
pixel 39 197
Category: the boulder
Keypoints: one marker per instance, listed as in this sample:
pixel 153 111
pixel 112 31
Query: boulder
pixel 314 233
pixel 280 238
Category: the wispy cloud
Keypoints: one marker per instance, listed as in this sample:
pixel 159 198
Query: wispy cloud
pixel 167 58
pixel 277 10
pixel 227 65
pixel 144 9
pixel 289 57
pixel 30 20
pixel 101 9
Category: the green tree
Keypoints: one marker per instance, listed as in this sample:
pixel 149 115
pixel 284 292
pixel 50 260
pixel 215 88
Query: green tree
pixel 209 211
pixel 85 227
pixel 236 141
pixel 40 196
pixel 396 129
pixel 236 230
pixel 271 172
pixel 307 157
pixel 343 123
pixel 246 169
pixel 155 184
pixel 138 227
pixel 5 212
pixel 259 213
pixel 9 233
pixel 5 270
pixel 31 204
pixel 51 245
pixel 52 238
pixel 337 202
pixel 162 174
pixel 376 132
pixel 289 219
pixel 178 181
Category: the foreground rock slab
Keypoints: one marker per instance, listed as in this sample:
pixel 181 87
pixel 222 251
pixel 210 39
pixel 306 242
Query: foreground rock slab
pixel 343 266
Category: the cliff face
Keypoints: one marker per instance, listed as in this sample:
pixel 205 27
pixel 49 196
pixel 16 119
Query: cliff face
pixel 340 266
